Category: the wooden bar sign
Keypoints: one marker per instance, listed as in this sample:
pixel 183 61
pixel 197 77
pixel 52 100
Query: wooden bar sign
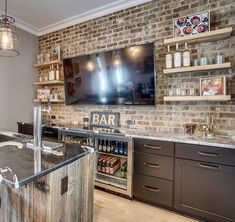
pixel 105 119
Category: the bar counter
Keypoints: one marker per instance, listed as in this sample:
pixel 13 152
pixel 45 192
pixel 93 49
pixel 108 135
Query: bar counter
pixel 45 185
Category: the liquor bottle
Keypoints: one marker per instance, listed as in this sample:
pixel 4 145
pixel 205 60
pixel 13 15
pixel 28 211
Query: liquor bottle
pixel 104 146
pixel 116 148
pixel 186 56
pixel 100 145
pixel 124 170
pixel 125 148
pixel 52 73
pixel 112 146
pixel 168 58
pixel 120 148
pixel 57 73
pixel 49 76
pixel 177 57
pixel 108 146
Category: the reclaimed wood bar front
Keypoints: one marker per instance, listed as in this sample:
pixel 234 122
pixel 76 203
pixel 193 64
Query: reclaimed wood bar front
pixel 61 192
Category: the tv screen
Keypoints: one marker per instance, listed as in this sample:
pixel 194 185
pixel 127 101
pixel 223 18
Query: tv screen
pixel 118 77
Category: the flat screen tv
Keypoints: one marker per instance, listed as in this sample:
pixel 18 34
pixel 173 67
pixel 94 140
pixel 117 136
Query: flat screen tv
pixel 119 77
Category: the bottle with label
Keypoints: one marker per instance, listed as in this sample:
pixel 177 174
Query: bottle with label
pixel 186 56
pixel 116 148
pixel 120 148
pixel 177 57
pixel 100 145
pixel 168 58
pixel 57 73
pixel 52 73
pixel 104 146
pixel 108 146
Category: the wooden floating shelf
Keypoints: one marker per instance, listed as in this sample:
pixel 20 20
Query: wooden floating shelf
pixel 52 101
pixel 198 68
pixel 54 82
pixel 196 98
pixel 206 36
pixel 46 64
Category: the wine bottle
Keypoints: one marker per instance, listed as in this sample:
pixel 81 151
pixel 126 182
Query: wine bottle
pixel 186 56
pixel 168 58
pixel 177 57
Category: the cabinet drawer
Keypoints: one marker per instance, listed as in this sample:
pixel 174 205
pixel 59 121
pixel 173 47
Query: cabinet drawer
pixel 205 153
pixel 154 146
pixel 153 190
pixel 153 165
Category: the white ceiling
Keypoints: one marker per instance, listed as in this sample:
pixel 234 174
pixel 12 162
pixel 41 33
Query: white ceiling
pixel 44 16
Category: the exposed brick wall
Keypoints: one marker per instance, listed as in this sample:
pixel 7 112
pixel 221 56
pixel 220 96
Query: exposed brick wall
pixel 152 22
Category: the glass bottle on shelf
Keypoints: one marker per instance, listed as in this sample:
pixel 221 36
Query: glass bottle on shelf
pixel 52 73
pixel 104 146
pixel 100 148
pixel 168 58
pixel 177 57
pixel 57 72
pixel 186 56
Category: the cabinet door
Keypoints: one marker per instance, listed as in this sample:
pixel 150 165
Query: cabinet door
pixel 205 190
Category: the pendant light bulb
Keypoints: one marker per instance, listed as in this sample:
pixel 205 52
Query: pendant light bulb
pixel 8 36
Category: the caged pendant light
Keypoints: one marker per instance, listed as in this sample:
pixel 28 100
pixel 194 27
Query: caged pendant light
pixel 8 36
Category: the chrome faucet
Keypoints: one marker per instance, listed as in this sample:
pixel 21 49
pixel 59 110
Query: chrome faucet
pixel 37 137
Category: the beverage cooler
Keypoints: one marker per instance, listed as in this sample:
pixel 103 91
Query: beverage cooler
pixel 114 157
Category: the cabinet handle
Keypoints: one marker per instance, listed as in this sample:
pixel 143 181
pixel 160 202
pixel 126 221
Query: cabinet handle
pixel 210 167
pixel 153 147
pixel 152 165
pixel 216 155
pixel 151 189
pixel 49 132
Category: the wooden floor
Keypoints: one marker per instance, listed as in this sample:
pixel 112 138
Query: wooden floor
pixel 111 208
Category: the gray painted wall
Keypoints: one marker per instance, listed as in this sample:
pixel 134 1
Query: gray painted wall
pixel 16 83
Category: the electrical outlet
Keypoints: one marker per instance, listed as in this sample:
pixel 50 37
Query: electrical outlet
pixel 64 185
pixel 130 122
pixel 86 120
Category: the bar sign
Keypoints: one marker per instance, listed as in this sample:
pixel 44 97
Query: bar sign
pixel 105 119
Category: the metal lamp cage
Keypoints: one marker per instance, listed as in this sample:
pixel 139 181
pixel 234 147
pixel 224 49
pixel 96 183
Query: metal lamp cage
pixel 8 37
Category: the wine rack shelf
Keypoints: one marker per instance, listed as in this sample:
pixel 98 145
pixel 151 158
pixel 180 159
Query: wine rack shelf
pixel 112 154
pixel 198 68
pixel 197 98
pixel 117 175
pixel 207 36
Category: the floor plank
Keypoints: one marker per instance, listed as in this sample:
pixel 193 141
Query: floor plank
pixel 111 208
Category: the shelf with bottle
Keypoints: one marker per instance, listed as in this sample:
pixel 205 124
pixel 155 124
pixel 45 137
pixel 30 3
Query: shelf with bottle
pixel 206 36
pixel 52 82
pixel 52 101
pixel 111 147
pixel 112 167
pixel 180 62
pixel 197 98
pixel 225 65
pixel 48 64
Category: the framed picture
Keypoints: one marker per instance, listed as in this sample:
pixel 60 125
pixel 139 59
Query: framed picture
pixel 43 93
pixel 213 86
pixel 191 24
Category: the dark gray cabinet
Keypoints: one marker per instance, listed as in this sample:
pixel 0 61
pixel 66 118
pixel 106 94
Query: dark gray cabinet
pixel 205 189
pixel 193 179
pixel 153 171
pixel 205 181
